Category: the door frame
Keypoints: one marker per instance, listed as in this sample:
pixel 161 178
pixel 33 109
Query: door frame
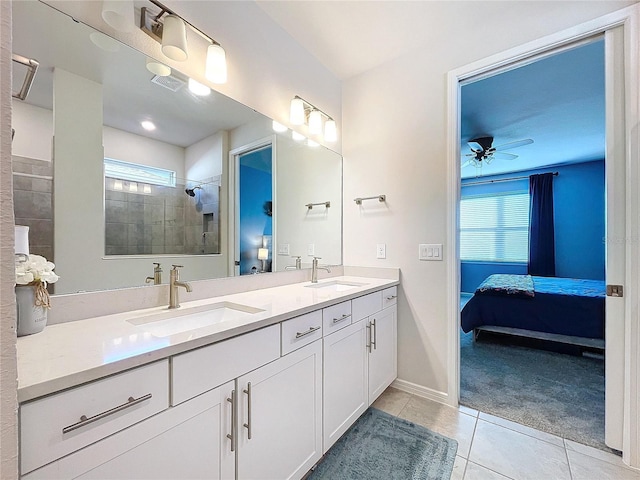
pixel 234 206
pixel 627 18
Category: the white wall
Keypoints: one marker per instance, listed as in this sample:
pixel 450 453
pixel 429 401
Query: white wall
pixel 204 159
pixel 34 131
pixel 394 143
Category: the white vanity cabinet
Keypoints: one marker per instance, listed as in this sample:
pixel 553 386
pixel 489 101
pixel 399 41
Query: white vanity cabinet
pixel 382 347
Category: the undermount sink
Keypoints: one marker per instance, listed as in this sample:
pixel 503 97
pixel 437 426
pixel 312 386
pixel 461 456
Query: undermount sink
pixel 171 322
pixel 336 285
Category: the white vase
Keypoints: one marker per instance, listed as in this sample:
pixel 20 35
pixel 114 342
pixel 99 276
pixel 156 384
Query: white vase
pixel 31 318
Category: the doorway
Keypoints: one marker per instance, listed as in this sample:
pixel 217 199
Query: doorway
pixel 622 387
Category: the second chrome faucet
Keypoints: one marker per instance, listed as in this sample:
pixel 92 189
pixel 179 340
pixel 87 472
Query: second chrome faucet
pixel 174 284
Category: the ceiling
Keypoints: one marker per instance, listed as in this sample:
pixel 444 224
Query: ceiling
pixel 558 102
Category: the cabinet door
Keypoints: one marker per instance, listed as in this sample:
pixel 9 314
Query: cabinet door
pixel 185 442
pixel 345 381
pixel 283 415
pixel 383 358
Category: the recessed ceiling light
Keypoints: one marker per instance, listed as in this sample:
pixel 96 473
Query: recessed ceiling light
pixel 198 89
pixel 148 125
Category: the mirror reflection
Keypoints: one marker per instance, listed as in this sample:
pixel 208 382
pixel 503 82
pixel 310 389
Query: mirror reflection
pixel 116 168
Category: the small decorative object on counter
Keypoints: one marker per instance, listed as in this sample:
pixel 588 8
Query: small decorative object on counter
pixel 33 273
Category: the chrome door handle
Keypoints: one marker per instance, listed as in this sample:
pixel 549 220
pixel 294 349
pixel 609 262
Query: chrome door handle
pixel 338 320
pixel 369 339
pixel 232 436
pixel 392 297
pixel 248 424
pixel 84 420
pixel 374 328
pixel 311 330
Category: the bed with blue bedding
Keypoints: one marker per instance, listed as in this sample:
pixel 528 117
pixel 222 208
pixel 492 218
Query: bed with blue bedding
pixel 542 307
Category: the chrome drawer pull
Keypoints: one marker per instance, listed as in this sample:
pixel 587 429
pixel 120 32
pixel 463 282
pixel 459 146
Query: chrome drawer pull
pixel 248 424
pixel 369 345
pixel 375 334
pixel 84 420
pixel 232 436
pixel 311 330
pixel 338 320
pixel 392 297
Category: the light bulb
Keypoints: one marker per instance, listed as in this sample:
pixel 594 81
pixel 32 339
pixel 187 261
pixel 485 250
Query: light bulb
pixel 296 115
pixel 315 122
pixel 330 131
pixel 216 66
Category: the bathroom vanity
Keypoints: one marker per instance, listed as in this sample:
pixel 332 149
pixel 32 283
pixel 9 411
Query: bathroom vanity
pixel 257 384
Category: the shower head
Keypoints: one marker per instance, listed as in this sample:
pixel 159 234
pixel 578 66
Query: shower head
pixel 192 191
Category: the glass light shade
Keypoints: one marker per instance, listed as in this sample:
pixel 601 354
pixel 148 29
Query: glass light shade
pixel 311 143
pixel 174 38
pixel 118 14
pixel 298 137
pixel 315 122
pixel 146 189
pixel 104 42
pixel 263 254
pixel 198 89
pixel 278 127
pixel 330 131
pixel 117 184
pixel 296 115
pixel 158 68
pixel 133 187
pixel 216 67
pixel 21 240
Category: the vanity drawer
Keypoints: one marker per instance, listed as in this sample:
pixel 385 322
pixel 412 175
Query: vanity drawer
pixel 62 423
pixel 197 371
pixel 336 317
pixel 366 305
pixel 389 297
pixel 301 331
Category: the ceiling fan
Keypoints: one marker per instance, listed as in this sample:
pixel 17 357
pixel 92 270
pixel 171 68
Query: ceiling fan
pixel 482 151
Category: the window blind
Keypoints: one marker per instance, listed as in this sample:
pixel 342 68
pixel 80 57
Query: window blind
pixel 495 228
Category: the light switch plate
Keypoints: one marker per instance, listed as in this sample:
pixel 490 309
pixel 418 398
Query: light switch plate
pixel 381 250
pixel 283 249
pixel 311 249
pixel 430 251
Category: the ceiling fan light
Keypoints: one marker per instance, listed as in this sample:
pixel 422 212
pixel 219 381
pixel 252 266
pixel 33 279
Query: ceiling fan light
pixel 216 67
pixel 174 38
pixel 118 14
pixel 296 114
pixel 315 122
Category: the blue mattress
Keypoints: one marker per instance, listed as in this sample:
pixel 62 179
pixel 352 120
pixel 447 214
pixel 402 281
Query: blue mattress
pixel 564 306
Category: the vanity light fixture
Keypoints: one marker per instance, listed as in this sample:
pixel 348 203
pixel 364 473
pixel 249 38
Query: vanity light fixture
pixel 198 89
pixel 302 111
pixel 278 127
pixel 117 184
pixel 170 29
pixel 263 255
pixel 158 68
pixel 148 125
pixel 133 187
pixel 118 14
pixel 311 143
pixel 298 137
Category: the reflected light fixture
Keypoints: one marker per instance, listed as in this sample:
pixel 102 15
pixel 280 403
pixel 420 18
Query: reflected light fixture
pixel 148 125
pixel 302 111
pixel 133 187
pixel 263 255
pixel 104 42
pixel 118 14
pixel 298 137
pixel 158 68
pixel 311 143
pixel 170 29
pixel 278 127
pixel 117 184
pixel 198 89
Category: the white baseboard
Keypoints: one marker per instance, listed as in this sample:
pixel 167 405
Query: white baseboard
pixel 422 391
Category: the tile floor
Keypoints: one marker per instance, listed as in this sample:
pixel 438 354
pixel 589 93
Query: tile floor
pixel 493 448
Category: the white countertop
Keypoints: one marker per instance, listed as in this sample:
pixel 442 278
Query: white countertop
pixel 69 354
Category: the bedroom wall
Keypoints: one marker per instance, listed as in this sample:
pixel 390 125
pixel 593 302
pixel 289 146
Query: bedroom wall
pixel 579 212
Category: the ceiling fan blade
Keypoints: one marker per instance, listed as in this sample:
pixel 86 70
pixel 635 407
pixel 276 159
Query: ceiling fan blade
pixel 475 146
pixel 504 156
pixel 466 164
pixel 519 143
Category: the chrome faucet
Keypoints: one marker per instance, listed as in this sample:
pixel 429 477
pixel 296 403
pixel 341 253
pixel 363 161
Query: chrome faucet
pixel 157 275
pixel 297 266
pixel 174 283
pixel 315 267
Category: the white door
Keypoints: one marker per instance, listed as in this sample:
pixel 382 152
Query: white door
pixel 383 359
pixel 345 380
pixel 280 417
pixel 616 235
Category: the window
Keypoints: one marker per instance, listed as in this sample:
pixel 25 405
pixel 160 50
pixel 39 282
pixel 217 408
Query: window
pixel 495 228
pixel 139 173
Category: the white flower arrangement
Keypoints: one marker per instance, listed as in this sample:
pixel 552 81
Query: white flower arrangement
pixel 35 270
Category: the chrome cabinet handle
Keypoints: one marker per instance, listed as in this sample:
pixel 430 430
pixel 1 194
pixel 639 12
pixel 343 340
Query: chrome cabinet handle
pixel 232 436
pixel 311 330
pixel 84 420
pixel 248 424
pixel 338 320
pixel 392 297
pixel 369 339
pixel 374 328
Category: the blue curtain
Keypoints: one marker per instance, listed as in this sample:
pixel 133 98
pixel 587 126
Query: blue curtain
pixel 542 257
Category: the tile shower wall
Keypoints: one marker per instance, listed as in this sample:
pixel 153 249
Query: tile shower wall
pixel 162 220
pixel 32 194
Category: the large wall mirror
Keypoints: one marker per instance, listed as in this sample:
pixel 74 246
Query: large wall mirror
pixel 210 185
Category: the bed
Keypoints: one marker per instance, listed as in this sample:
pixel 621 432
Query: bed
pixel 548 308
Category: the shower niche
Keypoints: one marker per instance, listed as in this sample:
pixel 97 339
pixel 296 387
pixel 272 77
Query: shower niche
pixel 144 219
